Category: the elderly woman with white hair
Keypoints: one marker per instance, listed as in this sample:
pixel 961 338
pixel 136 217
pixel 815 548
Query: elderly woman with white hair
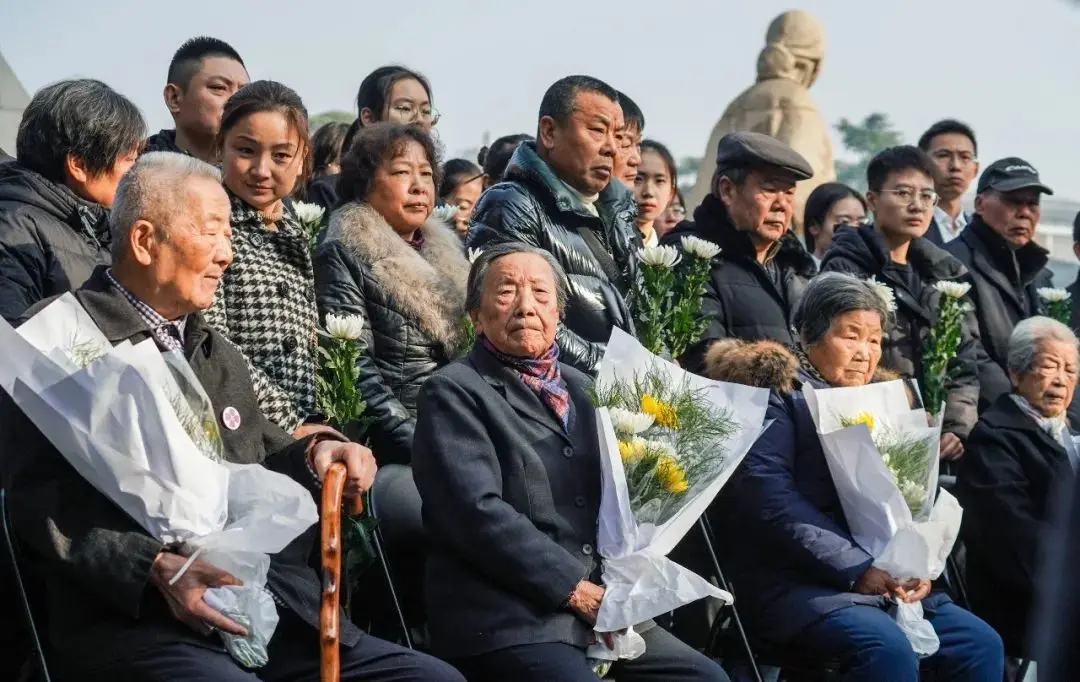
pixel 1016 453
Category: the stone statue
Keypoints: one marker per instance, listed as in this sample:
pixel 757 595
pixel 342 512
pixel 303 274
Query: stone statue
pixel 779 104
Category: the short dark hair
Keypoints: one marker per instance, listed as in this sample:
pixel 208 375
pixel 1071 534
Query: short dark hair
pixel 665 155
pixel 558 101
pixel 82 117
pixel 375 89
pixel 1076 228
pixel 900 158
pixel 821 201
pixel 188 59
pixel 326 145
pixel 262 96
pixel 373 145
pixel 946 127
pixel 633 116
pixel 495 158
pixel 456 172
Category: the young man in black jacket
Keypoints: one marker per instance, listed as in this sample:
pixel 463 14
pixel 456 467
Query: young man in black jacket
pixel 1007 267
pixel 758 278
pixel 894 251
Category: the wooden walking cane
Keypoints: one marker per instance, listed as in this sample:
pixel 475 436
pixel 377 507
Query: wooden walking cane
pixel 330 609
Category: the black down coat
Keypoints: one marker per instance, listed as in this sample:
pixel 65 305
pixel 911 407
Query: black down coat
pixel 50 239
pixel 861 252
pixel 741 299
pixel 532 205
pixel 1005 282
pixel 413 305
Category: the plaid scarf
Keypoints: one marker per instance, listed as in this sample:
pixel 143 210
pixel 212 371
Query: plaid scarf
pixel 543 377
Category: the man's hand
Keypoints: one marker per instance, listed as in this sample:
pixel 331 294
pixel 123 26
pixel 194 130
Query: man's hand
pixel 359 462
pixel 185 597
pixel 877 582
pixel 585 600
pixel 305 430
pixel 915 590
pixel 951 447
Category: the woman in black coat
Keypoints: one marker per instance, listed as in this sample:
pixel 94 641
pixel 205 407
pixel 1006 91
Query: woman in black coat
pixel 385 259
pixel 1016 454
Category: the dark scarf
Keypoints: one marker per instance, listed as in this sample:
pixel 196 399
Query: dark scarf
pixel 543 377
pixel 417 242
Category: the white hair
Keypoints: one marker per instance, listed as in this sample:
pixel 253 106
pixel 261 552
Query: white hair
pixel 154 190
pixel 1028 334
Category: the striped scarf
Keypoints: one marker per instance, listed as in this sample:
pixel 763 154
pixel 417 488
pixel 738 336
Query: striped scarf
pixel 543 377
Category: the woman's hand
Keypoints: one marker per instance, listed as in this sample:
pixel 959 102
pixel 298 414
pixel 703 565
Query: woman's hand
pixel 915 590
pixel 585 601
pixel 359 463
pixel 876 582
pixel 951 447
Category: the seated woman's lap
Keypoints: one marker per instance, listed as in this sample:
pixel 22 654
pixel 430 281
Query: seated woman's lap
pixel 666 659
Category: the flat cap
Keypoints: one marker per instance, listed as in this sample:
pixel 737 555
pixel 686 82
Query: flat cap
pixel 755 150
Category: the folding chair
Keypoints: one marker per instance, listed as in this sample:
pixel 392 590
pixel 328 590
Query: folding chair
pixel 10 543
pixel 375 509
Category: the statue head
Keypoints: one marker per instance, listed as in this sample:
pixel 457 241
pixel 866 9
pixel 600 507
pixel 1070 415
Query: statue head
pixel 794 48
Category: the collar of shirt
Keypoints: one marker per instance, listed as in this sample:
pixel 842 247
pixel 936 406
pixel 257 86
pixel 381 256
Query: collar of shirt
pixel 168 333
pixel 950 229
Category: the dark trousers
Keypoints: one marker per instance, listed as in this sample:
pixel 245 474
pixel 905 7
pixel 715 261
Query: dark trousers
pixel 875 650
pixel 294 657
pixel 666 659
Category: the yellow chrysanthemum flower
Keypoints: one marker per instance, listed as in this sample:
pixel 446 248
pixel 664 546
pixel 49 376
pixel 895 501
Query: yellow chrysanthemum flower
pixel 671 475
pixel 663 413
pixel 630 451
pixel 862 418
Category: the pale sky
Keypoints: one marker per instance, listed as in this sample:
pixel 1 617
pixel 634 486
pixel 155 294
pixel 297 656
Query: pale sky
pixel 1010 69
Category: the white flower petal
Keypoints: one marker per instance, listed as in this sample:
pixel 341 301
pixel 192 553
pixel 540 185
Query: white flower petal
pixel 445 213
pixel 1051 295
pixel 953 289
pixel 473 254
pixel 701 248
pixel 883 292
pixel 308 213
pixel 659 256
pixel 345 327
pixel 628 422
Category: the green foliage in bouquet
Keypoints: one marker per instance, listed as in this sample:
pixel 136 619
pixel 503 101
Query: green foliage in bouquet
pixel 942 343
pixel 907 458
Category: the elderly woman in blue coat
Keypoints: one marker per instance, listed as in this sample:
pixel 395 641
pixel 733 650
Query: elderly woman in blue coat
pixel 802 582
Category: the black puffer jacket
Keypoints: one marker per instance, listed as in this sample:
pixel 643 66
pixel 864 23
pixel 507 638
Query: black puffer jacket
pixel 861 252
pixel 413 305
pixel 741 299
pixel 532 205
pixel 1004 294
pixel 50 239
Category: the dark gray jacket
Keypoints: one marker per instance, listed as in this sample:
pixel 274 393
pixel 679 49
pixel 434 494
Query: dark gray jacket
pixel 510 505
pixel 50 239
pixel 94 559
pixel 532 205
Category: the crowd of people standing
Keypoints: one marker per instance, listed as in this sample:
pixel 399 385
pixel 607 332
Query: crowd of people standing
pixel 475 374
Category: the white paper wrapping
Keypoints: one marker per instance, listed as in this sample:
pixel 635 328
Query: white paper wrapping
pixel 114 422
pixel 903 545
pixel 640 581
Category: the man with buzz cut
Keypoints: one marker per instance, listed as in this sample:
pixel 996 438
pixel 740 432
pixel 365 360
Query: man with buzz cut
pixel 203 74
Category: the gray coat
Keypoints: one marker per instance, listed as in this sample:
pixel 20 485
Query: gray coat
pixel 510 505
pixel 93 559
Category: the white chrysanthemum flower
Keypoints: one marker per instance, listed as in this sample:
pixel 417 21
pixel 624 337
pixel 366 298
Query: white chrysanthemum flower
pixel 473 254
pixel 344 327
pixel 445 213
pixel 628 422
pixel 913 493
pixel 953 289
pixel 884 292
pixel 659 256
pixel 309 214
pixel 1051 295
pixel 702 248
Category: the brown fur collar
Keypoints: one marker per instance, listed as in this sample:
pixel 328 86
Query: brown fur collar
pixel 428 286
pixel 762 364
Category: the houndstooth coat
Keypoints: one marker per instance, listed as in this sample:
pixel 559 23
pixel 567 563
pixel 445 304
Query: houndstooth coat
pixel 265 305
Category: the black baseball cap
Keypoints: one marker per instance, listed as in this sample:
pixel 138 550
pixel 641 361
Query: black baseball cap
pixel 1010 174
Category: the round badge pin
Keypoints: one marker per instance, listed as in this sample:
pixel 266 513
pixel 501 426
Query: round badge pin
pixel 231 418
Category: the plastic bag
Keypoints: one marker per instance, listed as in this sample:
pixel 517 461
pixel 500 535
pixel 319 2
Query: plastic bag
pixel 919 632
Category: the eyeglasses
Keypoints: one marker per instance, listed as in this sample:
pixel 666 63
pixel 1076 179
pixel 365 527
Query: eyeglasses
pixel 410 112
pixel 908 195
pixel 961 158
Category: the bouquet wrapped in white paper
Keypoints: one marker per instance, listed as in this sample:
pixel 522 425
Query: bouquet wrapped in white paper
pixel 138 426
pixel 883 457
pixel 669 440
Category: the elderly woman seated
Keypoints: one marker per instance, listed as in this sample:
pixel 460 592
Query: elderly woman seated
pixel 1017 451
pixel 802 583
pixel 507 461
